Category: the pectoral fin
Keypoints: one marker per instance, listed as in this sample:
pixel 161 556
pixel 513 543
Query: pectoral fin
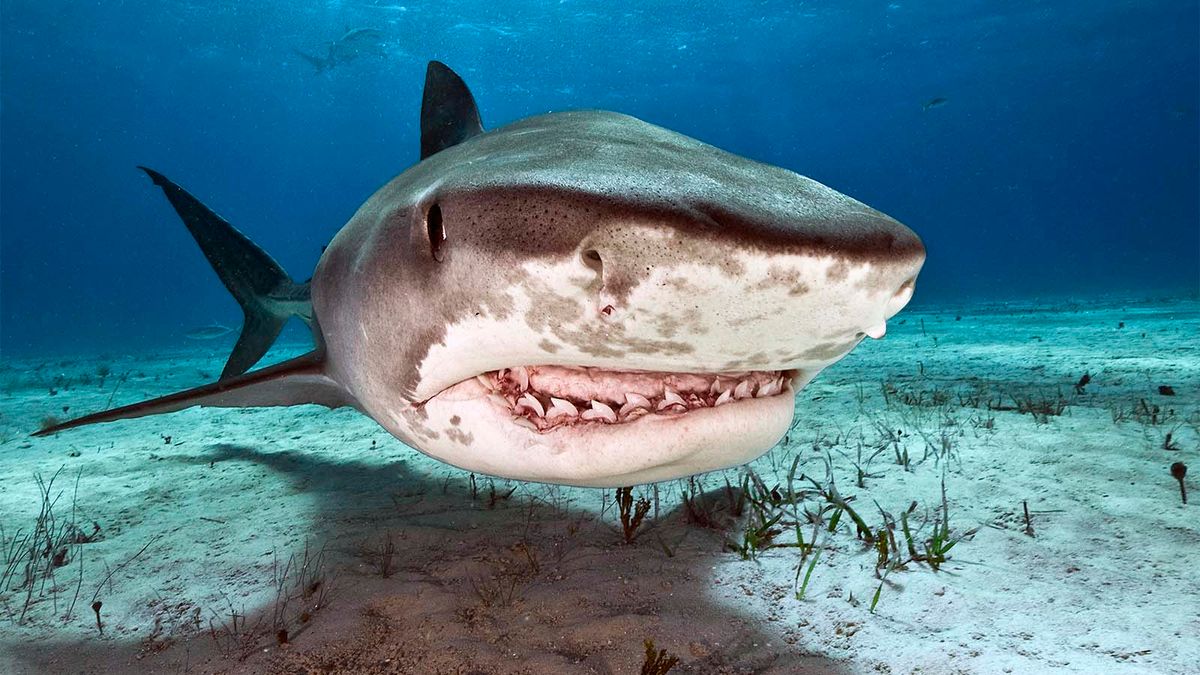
pixel 296 382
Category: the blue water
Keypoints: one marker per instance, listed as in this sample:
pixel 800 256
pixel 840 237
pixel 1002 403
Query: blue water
pixel 1063 162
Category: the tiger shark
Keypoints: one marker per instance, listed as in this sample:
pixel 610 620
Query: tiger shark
pixel 350 46
pixel 580 298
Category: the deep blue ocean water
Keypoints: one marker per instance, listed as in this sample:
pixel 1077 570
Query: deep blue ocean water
pixel 1062 163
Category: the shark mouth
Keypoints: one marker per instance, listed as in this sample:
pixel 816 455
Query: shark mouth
pixel 545 398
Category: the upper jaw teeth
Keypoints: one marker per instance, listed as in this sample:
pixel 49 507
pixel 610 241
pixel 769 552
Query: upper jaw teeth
pixel 516 390
pixel 530 402
pixel 600 411
pixel 671 398
pixel 561 408
pixel 633 400
pixel 769 388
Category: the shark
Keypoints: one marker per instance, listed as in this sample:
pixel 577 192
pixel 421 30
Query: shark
pixel 351 45
pixel 579 298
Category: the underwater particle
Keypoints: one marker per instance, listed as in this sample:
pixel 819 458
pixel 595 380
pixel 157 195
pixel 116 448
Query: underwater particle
pixel 934 102
pixel 1178 471
pixel 1166 390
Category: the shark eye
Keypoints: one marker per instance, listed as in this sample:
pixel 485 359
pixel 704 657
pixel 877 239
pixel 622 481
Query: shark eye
pixel 437 232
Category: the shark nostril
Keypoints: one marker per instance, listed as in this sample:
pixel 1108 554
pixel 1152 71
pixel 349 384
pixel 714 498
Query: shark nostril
pixel 605 302
pixel 591 258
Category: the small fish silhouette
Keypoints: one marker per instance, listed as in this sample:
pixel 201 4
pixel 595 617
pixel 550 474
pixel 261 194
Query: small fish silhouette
pixel 210 332
pixel 933 103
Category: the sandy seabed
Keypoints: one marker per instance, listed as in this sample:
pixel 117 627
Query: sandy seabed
pixel 206 533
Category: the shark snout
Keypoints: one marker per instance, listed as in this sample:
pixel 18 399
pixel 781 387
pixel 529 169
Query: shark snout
pixel 670 299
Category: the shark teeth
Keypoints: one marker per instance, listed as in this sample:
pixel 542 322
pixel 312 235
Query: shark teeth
pixel 529 402
pixel 522 374
pixel 635 402
pixel 561 408
pixel 526 422
pixel 557 396
pixel 769 388
pixel 600 411
pixel 670 398
pixel 715 388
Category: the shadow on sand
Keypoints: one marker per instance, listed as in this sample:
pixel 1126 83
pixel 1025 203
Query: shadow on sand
pixel 431 574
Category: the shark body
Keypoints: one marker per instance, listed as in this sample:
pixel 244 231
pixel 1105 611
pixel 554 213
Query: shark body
pixel 579 298
pixel 349 47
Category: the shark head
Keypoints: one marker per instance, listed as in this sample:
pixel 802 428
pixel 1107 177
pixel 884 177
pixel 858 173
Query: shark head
pixel 579 298
pixel 585 298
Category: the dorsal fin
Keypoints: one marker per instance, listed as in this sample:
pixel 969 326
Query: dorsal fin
pixel 449 115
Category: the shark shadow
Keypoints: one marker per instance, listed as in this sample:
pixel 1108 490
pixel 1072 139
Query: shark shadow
pixel 480 572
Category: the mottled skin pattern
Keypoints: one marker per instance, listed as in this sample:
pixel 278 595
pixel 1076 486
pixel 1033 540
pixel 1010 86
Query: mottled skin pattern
pixel 596 239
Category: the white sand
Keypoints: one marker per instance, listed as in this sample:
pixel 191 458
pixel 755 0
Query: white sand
pixel 541 582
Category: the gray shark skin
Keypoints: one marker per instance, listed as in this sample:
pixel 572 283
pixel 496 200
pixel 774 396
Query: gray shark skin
pixel 580 298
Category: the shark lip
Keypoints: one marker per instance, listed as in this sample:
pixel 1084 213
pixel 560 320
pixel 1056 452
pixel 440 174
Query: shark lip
pixel 544 399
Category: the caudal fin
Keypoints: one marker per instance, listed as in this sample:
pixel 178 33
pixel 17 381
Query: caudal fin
pixel 295 382
pixel 267 294
pixel 320 64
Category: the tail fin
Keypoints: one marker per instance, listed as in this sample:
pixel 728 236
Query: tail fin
pixel 267 294
pixel 294 382
pixel 315 61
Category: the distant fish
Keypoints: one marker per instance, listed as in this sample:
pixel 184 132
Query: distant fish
pixel 933 103
pixel 210 332
pixel 355 43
